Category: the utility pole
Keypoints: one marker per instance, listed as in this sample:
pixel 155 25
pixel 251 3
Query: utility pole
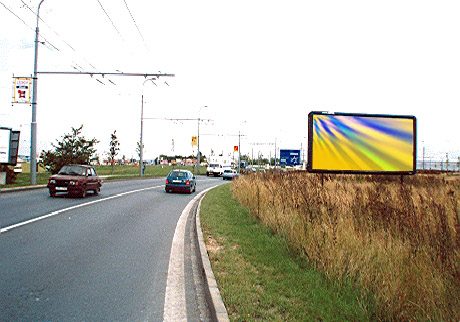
pixel 264 144
pixel 178 119
pixel 33 124
pixel 239 151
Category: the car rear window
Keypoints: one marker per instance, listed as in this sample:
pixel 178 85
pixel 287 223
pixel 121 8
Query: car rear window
pixel 178 174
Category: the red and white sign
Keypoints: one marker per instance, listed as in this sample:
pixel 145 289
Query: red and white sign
pixel 22 90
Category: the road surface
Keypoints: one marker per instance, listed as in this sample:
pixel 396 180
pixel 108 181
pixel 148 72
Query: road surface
pixel 103 258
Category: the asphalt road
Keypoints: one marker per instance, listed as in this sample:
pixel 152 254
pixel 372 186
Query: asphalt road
pixel 103 258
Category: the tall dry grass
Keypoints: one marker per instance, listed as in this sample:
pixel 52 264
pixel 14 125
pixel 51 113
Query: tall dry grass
pixel 399 242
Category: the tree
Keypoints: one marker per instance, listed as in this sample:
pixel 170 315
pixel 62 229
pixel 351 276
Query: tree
pixel 114 147
pixel 138 149
pixel 72 149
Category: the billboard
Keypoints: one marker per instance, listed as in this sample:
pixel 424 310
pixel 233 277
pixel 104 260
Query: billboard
pixel 9 146
pixel 361 143
pixel 4 145
pixel 289 157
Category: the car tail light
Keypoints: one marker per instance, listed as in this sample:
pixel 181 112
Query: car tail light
pixel 187 182
pixel 167 181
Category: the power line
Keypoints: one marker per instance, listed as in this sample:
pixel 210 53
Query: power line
pixel 25 23
pixel 140 34
pixel 27 6
pixel 110 20
pixel 61 38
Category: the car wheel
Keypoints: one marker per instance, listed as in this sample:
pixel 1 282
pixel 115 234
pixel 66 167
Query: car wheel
pixel 52 194
pixel 96 191
pixel 83 192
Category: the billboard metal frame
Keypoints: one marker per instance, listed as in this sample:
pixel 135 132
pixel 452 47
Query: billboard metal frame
pixel 336 171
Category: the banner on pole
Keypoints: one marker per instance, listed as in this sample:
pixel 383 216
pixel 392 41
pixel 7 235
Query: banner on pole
pixel 22 88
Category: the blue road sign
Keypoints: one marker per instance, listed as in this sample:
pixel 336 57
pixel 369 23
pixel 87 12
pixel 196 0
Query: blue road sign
pixel 289 157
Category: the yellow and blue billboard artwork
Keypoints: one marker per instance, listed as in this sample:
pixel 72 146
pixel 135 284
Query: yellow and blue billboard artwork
pixel 362 143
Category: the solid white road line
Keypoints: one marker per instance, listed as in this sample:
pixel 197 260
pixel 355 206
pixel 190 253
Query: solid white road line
pixel 57 212
pixel 175 309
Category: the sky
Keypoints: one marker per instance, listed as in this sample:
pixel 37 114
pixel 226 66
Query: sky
pixel 254 68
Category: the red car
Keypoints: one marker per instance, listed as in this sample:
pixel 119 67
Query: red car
pixel 76 180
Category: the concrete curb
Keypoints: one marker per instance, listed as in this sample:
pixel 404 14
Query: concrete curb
pixel 216 305
pixel 24 188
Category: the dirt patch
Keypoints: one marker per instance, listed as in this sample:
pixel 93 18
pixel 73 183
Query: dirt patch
pixel 211 245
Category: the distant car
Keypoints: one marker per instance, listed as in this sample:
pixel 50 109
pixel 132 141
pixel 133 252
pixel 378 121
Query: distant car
pixel 76 180
pixel 229 174
pixel 18 168
pixel 180 181
pixel 214 169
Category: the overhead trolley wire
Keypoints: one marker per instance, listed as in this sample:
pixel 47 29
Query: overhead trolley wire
pixel 60 37
pixel 30 9
pixel 110 19
pixel 138 30
pixel 31 28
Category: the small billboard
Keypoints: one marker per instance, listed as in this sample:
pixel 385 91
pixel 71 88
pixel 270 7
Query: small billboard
pixel 361 143
pixel 9 146
pixel 289 157
pixel 4 145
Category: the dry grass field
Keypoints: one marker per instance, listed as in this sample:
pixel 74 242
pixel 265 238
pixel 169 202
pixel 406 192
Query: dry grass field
pixel 399 242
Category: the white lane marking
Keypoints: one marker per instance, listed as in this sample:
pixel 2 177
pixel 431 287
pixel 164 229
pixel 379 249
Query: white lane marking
pixel 175 305
pixel 57 212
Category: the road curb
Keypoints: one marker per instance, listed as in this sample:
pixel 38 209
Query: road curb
pixel 24 188
pixel 215 302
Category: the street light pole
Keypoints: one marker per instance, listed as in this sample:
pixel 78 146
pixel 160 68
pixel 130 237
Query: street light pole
pixel 239 151
pixel 33 124
pixel 141 148
pixel 141 143
pixel 198 155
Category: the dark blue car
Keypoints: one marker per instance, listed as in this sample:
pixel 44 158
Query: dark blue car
pixel 180 181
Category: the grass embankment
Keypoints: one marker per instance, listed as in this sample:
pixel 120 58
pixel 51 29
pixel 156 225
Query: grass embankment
pixel 261 279
pixel 115 173
pixel 400 243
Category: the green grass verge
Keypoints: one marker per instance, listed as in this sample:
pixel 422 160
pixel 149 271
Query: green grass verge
pixel 261 279
pixel 116 173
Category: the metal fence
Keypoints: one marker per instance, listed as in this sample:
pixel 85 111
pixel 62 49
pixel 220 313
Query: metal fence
pixel 438 165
